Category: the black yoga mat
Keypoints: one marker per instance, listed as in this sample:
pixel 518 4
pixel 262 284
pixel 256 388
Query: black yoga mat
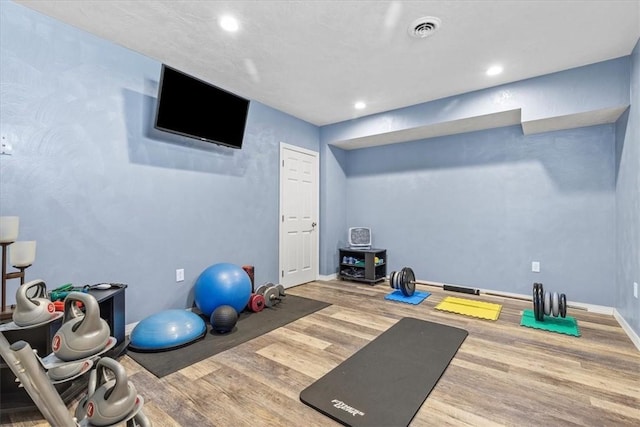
pixel 250 325
pixel 386 382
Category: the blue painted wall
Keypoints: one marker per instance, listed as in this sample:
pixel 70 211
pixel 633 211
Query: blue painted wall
pixel 628 203
pixel 476 209
pixel 109 198
pixel 333 206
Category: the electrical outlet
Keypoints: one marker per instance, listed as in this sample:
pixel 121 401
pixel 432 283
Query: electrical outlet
pixel 635 289
pixel 535 266
pixel 180 275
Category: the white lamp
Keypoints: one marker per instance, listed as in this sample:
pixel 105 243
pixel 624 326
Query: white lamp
pixel 21 256
pixel 9 228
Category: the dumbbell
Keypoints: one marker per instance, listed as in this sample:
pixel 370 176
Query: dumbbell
pixel 545 303
pixel 273 294
pixel 404 280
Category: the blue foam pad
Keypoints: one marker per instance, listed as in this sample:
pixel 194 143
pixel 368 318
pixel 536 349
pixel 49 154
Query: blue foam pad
pixel 416 298
pixel 167 329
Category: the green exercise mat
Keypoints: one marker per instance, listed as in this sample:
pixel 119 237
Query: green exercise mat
pixel 562 325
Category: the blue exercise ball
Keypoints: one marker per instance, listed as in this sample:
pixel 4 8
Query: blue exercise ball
pixel 222 284
pixel 167 329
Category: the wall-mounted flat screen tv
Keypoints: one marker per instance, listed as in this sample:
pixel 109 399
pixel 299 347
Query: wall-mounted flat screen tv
pixel 196 109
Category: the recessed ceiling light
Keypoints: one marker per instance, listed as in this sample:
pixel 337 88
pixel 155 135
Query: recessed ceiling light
pixel 494 70
pixel 229 23
pixel 359 105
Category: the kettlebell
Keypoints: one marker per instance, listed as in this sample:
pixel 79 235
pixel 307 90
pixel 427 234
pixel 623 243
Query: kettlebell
pixel 68 370
pixel 109 401
pixel 34 309
pixel 80 335
pixel 81 409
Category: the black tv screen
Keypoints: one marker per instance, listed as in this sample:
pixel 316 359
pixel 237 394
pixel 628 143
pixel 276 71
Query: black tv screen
pixel 191 107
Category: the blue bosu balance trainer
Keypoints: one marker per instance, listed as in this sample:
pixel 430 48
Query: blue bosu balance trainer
pixel 167 330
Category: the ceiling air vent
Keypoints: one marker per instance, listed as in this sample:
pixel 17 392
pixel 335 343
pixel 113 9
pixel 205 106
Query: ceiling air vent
pixel 424 27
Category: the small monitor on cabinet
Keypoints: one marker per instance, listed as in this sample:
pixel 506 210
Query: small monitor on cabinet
pixel 359 237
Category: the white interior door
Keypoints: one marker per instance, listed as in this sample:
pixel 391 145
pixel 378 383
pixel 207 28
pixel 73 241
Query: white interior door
pixel 298 215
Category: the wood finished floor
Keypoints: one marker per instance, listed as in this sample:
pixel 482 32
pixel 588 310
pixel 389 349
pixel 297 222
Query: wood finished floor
pixel 503 374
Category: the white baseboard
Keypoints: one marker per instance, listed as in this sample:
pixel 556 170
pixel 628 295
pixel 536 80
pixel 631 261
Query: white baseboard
pixel 600 309
pixel 627 328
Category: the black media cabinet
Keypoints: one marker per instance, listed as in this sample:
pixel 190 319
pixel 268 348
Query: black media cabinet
pixel 360 265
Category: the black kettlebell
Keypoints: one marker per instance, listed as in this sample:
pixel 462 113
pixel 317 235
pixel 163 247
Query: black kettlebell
pixel 81 335
pixel 110 398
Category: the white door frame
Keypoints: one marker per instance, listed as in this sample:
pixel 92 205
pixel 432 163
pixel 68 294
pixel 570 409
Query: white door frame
pixel 281 253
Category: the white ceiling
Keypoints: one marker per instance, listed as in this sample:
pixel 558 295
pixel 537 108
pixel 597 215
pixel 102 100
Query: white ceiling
pixel 314 59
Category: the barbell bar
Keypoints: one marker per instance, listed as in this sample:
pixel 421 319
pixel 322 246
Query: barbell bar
pixel 543 302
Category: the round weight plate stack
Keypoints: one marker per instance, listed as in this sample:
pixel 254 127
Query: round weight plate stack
pixel 391 279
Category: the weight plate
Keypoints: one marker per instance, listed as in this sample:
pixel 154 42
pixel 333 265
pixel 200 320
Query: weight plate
pixel 555 305
pixel 271 297
pixel 534 298
pixel 541 299
pixel 400 282
pixel 262 289
pixel 281 290
pixel 410 281
pixel 256 303
pixel 563 305
pixel 403 282
pixel 547 303
pixel 539 303
pixel 393 273
pixel 396 280
pixel 534 291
